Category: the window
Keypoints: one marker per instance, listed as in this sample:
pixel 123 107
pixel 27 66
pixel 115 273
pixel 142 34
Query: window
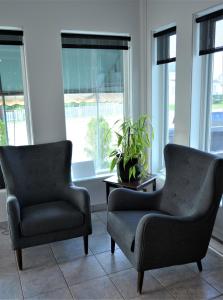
pixel 211 96
pixel 166 64
pixel 211 52
pixel 13 127
pixel 95 89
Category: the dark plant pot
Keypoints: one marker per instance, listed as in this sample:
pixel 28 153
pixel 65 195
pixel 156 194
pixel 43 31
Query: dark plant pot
pixel 123 173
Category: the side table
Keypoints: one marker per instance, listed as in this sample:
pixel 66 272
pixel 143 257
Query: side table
pixel 114 182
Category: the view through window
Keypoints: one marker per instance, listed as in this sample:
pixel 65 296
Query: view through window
pixel 216 96
pixel 94 92
pixel 215 137
pixel 13 130
pixel 170 101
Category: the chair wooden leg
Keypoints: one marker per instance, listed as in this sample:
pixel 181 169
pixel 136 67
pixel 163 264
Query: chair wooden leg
pixel 19 258
pixel 112 245
pixel 199 265
pixel 86 244
pixel 140 282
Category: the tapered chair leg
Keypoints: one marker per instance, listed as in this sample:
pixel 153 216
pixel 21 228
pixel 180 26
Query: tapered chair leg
pixel 140 282
pixel 199 265
pixel 19 258
pixel 112 246
pixel 86 244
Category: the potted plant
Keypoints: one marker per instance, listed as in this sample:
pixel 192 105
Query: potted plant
pixel 131 155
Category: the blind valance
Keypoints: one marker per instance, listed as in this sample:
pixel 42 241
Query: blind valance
pixel 211 27
pixel 165 54
pixel 91 41
pixel 11 37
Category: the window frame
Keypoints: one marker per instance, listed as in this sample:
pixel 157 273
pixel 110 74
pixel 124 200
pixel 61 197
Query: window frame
pixel 160 103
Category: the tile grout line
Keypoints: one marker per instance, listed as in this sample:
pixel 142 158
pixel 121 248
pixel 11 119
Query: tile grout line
pixel 61 271
pixel 20 281
pixel 86 280
pixel 163 286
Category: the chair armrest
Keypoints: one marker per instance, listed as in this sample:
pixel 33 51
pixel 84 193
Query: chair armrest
pixel 126 199
pixel 78 197
pixel 164 240
pixel 13 209
pixel 14 219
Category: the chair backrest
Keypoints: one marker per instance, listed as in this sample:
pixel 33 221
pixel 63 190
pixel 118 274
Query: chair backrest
pixel 194 181
pixel 36 173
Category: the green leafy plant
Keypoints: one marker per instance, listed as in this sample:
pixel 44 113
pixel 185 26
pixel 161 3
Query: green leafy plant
pixel 3 137
pixel 98 152
pixel 133 140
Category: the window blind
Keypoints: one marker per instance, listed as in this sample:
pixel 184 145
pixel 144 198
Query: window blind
pixel 11 37
pixel 91 41
pixel 163 45
pixel 210 40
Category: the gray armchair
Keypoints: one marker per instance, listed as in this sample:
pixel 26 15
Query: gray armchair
pixel 173 225
pixel 43 205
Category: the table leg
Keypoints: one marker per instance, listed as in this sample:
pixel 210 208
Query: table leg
pixel 107 191
pixel 154 185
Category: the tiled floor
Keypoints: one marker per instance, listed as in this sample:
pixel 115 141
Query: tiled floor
pixel 62 271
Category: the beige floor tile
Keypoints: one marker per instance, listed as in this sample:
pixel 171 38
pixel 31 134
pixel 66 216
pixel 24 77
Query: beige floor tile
pixel 37 256
pixel 102 215
pixel 156 295
pixel 81 269
pixel 69 249
pixel 219 298
pixel 99 243
pixel 112 263
pixel 93 216
pixel 41 280
pixel 98 227
pixel 100 288
pixel 171 275
pixel 215 278
pixel 8 264
pixel 211 261
pixel 193 289
pixel 58 294
pixel 10 287
pixel 126 282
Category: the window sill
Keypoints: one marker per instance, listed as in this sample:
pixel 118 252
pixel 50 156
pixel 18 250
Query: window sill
pixel 92 178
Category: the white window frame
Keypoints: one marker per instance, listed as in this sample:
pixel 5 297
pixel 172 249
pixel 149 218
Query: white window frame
pixel 160 91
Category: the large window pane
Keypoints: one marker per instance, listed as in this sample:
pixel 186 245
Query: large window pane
pixel 94 96
pixel 216 137
pixel 13 130
pixel 171 81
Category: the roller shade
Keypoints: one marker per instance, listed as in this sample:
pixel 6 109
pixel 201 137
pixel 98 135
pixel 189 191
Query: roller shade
pixel 166 54
pixel 90 41
pixel 211 28
pixel 93 63
pixel 11 37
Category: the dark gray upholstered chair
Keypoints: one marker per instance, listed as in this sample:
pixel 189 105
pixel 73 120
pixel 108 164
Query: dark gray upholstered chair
pixel 42 203
pixel 173 225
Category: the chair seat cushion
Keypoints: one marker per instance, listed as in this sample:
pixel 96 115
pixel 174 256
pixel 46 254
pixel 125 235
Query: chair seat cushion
pixel 49 217
pixel 123 224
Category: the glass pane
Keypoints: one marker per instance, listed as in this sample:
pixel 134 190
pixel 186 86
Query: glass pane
pixel 13 130
pixel 171 100
pixel 173 46
pixel 219 34
pixel 216 143
pixel 93 96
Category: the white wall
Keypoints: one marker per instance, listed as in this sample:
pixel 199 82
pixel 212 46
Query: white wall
pixel 42 22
